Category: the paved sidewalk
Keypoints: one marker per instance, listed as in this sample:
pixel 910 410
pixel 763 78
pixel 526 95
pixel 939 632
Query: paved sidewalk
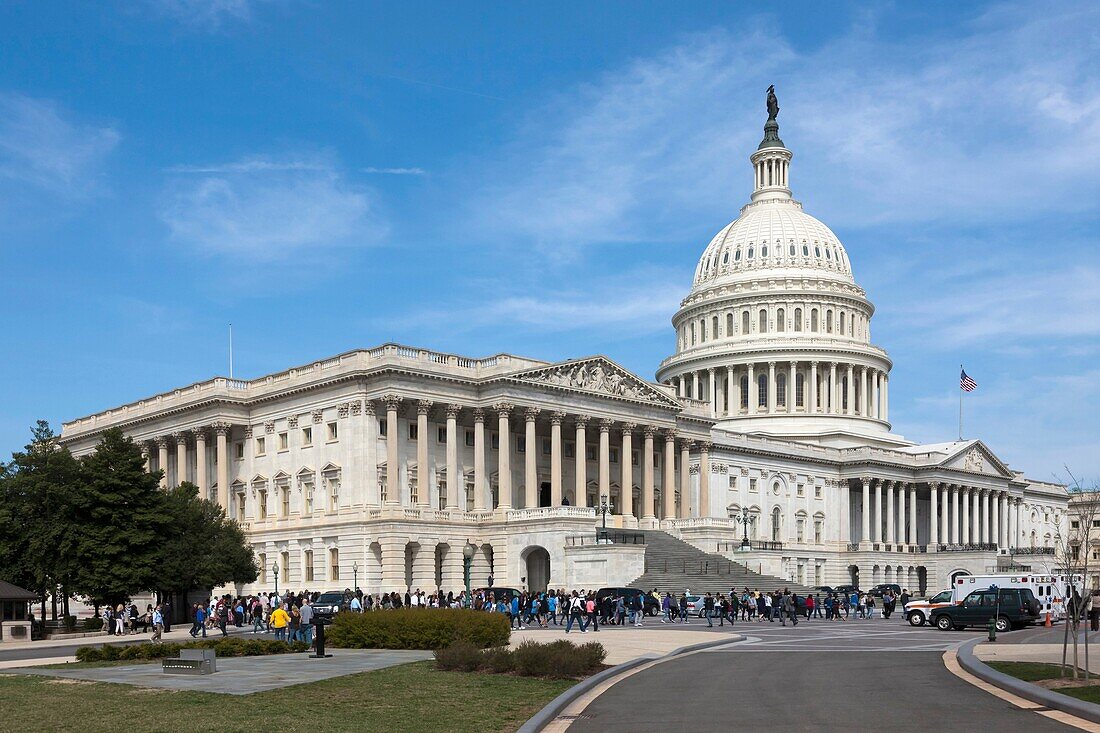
pixel 626 643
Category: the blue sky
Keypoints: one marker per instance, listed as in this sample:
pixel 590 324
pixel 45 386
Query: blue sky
pixel 542 180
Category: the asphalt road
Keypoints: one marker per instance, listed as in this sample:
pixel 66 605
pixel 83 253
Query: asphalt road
pixel 814 678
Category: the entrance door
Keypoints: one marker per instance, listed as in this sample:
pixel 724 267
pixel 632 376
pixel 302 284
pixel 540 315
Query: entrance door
pixel 544 493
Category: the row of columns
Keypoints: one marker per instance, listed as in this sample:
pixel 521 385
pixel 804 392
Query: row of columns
pixel 823 389
pixel 182 441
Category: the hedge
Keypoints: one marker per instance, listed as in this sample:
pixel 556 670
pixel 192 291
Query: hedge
pixel 559 659
pixel 222 647
pixel 428 628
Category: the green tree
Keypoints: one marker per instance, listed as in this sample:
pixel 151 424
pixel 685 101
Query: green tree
pixel 204 549
pixel 118 523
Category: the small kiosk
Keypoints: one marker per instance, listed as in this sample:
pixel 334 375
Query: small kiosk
pixel 15 617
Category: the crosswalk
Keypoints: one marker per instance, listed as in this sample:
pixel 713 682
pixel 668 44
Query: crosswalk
pixel 840 637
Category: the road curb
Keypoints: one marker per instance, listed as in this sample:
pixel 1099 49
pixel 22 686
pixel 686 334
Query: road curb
pixel 1039 695
pixel 555 707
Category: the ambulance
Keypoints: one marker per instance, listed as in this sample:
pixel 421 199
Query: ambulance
pixel 1050 590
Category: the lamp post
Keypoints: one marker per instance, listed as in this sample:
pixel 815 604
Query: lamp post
pixel 355 576
pixel 605 508
pixel 275 577
pixel 743 520
pixel 468 551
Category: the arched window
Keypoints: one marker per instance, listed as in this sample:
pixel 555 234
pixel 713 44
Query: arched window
pixel 781 320
pixel 805 250
pixel 844 394
pixel 744 321
pixel 726 257
pixel 799 391
pixel 729 325
pixel 813 322
pixel 744 392
pixel 828 321
pixel 792 249
pixel 797 319
pixel 842 323
pixel 693 334
pixel 828 254
pixel 776 518
pixel 703 331
pixel 764 250
pixel 737 255
pixel 852 326
pixel 817 251
pixel 762 390
pixel 714 327
pixel 762 326
pixel 750 252
pixel 781 390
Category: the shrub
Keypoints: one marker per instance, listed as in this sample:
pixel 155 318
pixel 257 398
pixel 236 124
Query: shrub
pixel 592 654
pixel 93 624
pixel 462 656
pixel 498 659
pixel 429 628
pixel 535 660
pixel 222 647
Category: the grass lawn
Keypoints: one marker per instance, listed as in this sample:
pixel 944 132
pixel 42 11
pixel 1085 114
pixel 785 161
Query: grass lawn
pixel 409 698
pixel 1031 671
pixel 1088 694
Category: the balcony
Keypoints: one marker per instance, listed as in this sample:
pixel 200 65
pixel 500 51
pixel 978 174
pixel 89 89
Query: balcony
pixel 981 547
pixel 1031 551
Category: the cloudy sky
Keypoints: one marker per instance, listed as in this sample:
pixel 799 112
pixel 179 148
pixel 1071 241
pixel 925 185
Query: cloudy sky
pixel 542 181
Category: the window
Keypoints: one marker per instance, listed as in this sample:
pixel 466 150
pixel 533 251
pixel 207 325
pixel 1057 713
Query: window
pixel 441 435
pixel 801 490
pixel 635 458
pixel 1075 524
pixel 494 441
pixel 762 325
pixel 546 447
pixel 744 392
pixel 569 450
pixel 261 559
pixel 805 250
pixel 764 251
pixel 414 484
pixel 333 433
pixel 813 320
pixel 284 442
pixel 781 320
pixel 469 490
pixel 334 564
pixel 817 492
pixel 729 325
pixel 781 390
pixel 799 391
pixel 307 437
pixel 792 249
pixel 590 452
pixel 776 518
pixel 714 327
pixel 817 531
pixel 744 322
pixel 285 562
pixel 441 480
pixel 750 253
pixel 470 438
pixel 261 446
pixel 307 496
pixel 284 501
pixel 842 323
pixel 383 428
pixel 263 504
pixel 333 481
pixel 307 559
pixel 240 507
pixel 762 390
pixel 693 334
pixel 752 484
pixel 702 331
pixel 828 321
pixel 382 482
pixel 800 529
pixel 613 455
pixel 737 255
pixel 521 444
pixel 240 451
pixel 414 431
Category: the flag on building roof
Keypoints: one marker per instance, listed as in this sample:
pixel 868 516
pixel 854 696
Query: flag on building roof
pixel 966 384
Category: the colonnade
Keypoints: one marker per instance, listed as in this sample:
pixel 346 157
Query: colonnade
pixel 194 440
pixel 789 387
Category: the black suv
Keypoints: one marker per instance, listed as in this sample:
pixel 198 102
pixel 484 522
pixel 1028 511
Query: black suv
pixel 330 603
pixel 881 588
pixel 650 605
pixel 1012 607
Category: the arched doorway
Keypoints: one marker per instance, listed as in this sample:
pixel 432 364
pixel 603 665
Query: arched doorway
pixel 544 493
pixel 537 568
pixel 853 574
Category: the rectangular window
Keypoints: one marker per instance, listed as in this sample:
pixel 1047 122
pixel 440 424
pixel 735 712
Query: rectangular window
pixel 1075 524
pixel 1096 523
pixel 284 502
pixel 817 492
pixel 333 432
pixel 414 431
pixel 333 493
pixel 570 449
pixel 307 558
pixel 307 437
pixel 494 441
pixel 470 438
pixel 284 441
pixel 261 446
pixel 285 558
pixel 240 507
pixel 817 531
pixel 752 484
pixel 546 446
pixel 441 435
pixel 240 451
pixel 383 428
pixel 382 484
pixel 800 527
pixel 414 484
pixel 261 560
pixel 334 564
pixel 733 482
pixel 307 493
pixel 656 460
pixel 614 455
pixel 263 505
pixel 801 490
pixel 635 458
pixel 590 452
pixel 521 444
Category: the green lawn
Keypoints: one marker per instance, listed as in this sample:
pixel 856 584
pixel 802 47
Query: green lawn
pixel 410 698
pixel 1031 671
pixel 1088 694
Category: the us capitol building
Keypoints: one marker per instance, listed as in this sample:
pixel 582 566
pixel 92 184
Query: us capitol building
pixel 771 419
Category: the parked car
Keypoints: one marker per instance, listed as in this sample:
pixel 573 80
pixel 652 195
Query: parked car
pixel 1013 608
pixel 881 588
pixel 650 605
pixel 919 611
pixel 826 589
pixel 500 592
pixel 329 603
pixel 847 589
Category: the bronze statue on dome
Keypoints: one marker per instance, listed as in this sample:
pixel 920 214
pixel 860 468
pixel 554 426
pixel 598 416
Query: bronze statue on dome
pixel 773 103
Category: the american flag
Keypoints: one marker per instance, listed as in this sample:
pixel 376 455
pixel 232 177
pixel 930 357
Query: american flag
pixel 966 384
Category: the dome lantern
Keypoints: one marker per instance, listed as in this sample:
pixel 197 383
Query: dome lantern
pixel 771 163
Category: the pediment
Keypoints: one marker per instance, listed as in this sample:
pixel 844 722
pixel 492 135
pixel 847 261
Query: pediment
pixel 975 457
pixel 596 375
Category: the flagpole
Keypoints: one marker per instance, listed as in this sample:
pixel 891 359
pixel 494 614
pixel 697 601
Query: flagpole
pixel 960 406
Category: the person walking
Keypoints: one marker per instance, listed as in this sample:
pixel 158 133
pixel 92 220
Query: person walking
pixel 575 615
pixel 279 621
pixel 591 605
pixel 708 609
pixel 306 614
pixel 199 623
pixel 684 609
pixel 158 625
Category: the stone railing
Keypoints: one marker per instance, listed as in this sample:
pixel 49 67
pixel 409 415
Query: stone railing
pixel 551 512
pixel 971 547
pixel 1031 551
pixel 753 544
pixel 718 522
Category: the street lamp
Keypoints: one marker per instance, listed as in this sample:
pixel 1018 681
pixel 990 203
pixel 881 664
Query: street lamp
pixel 743 520
pixel 275 576
pixel 468 551
pixel 355 575
pixel 605 508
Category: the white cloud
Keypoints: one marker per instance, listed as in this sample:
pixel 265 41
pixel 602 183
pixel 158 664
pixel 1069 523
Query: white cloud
pixel 268 209
pixel 42 147
pixel 205 13
pixel 395 171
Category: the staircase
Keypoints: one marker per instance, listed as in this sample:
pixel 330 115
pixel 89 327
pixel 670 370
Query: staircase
pixel 672 565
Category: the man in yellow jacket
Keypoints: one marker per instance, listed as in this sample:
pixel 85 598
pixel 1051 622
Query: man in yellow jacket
pixel 279 621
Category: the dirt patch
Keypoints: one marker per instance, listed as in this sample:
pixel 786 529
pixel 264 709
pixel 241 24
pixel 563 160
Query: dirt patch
pixel 1058 682
pixel 64 681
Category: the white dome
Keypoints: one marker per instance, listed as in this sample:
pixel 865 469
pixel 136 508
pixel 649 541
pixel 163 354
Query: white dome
pixel 773 235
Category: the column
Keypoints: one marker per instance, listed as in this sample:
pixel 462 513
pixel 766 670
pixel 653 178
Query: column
pixel 1013 510
pixel 704 479
pixel 423 483
pixel 203 477
pixel 626 471
pixel 752 391
pixel 771 388
pixel 647 472
pixel 899 487
pixel 221 434
pixel 878 511
pixel 605 461
pixel 874 395
pixel 162 461
pixel 911 534
pixel 681 388
pixel 851 393
pixel 685 479
pixel 891 520
pixel 831 408
pixel 933 514
pixel 456 482
pixel 945 524
pixel 813 388
pixel 995 523
pixel 863 392
pixel 731 406
pixel 530 472
pixel 181 457
pixel 480 479
pixel 964 491
pixel 866 536
pixel 146 458
pixel 975 516
pixel 954 514
pixel 792 383
pixel 668 485
pixel 695 385
pixel 393 488
pixel 555 457
pixel 885 396
pixel 504 456
pixel 712 395
pixel 580 458
pixel 987 538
